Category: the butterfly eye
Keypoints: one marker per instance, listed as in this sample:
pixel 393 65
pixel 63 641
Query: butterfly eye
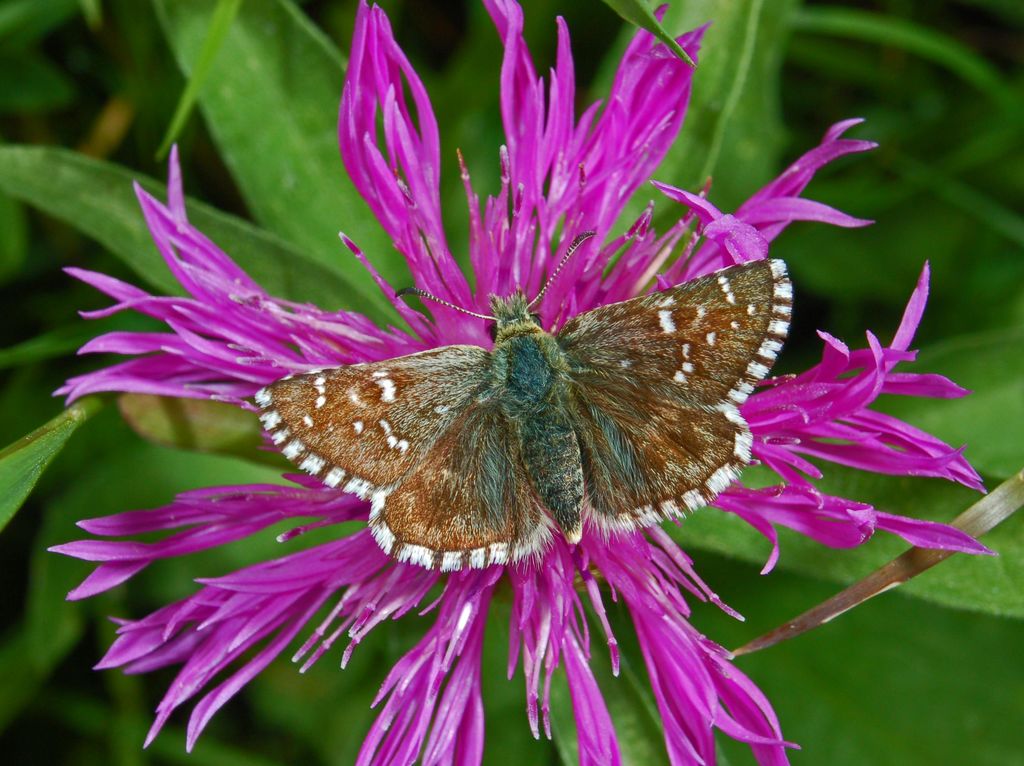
pixel 492 330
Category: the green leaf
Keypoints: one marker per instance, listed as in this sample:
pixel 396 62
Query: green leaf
pixel 733 131
pixel 18 678
pixel 922 41
pixel 991 365
pixel 272 105
pixel 59 342
pixel 23 22
pixel 987 210
pixel 223 15
pixel 30 83
pixel 197 424
pixel 92 10
pixel 89 718
pixel 97 198
pixel 23 462
pixel 639 13
pixel 991 584
pixel 13 239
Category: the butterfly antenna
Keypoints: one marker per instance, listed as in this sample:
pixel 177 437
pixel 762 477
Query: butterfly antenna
pixel 425 294
pixel 573 247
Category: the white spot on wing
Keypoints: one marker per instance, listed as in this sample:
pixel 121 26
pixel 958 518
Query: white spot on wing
pixel 743 444
pixel 358 427
pixel 669 508
pixel 377 503
pixel 387 389
pixel 757 370
pixel 312 464
pixel 770 348
pixel 711 338
pixel 263 397
pixel 320 401
pixel 308 421
pixel 693 499
pixel 499 552
pixel 334 477
pixel 451 561
pixel 665 319
pixel 384 537
pixel 723 282
pixel 417 554
pixel 720 479
pixel 359 487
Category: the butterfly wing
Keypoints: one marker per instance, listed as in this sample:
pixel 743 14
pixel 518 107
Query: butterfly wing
pixel 657 385
pixel 364 426
pixel 469 502
pixel 418 436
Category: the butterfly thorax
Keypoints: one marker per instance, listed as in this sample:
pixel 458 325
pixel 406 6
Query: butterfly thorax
pixel 527 361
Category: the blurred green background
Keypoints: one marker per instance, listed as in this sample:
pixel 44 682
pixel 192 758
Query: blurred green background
pixel 90 90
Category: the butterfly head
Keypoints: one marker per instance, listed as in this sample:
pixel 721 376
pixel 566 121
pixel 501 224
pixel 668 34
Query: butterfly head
pixel 513 317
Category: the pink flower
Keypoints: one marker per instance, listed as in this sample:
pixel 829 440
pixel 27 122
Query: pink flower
pixel 559 175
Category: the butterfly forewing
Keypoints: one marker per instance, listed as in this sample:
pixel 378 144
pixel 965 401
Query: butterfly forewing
pixel 364 426
pixel 657 383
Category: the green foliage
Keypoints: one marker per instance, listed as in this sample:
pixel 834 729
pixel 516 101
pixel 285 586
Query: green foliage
pixel 926 675
pixel 274 69
pixel 639 13
pixel 23 462
pixel 97 198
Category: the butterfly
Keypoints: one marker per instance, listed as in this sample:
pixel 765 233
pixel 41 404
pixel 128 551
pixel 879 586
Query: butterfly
pixel 627 416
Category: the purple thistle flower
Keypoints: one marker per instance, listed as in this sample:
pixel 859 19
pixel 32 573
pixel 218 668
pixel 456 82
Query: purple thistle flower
pixel 559 174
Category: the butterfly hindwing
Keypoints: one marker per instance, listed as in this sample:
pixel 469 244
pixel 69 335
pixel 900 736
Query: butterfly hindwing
pixel 657 383
pixel 469 502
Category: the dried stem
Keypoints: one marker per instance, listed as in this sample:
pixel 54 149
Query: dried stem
pixel 992 509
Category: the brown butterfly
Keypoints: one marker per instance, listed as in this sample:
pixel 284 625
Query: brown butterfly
pixel 629 415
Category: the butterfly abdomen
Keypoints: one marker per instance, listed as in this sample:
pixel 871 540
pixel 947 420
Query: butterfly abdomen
pixel 552 456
